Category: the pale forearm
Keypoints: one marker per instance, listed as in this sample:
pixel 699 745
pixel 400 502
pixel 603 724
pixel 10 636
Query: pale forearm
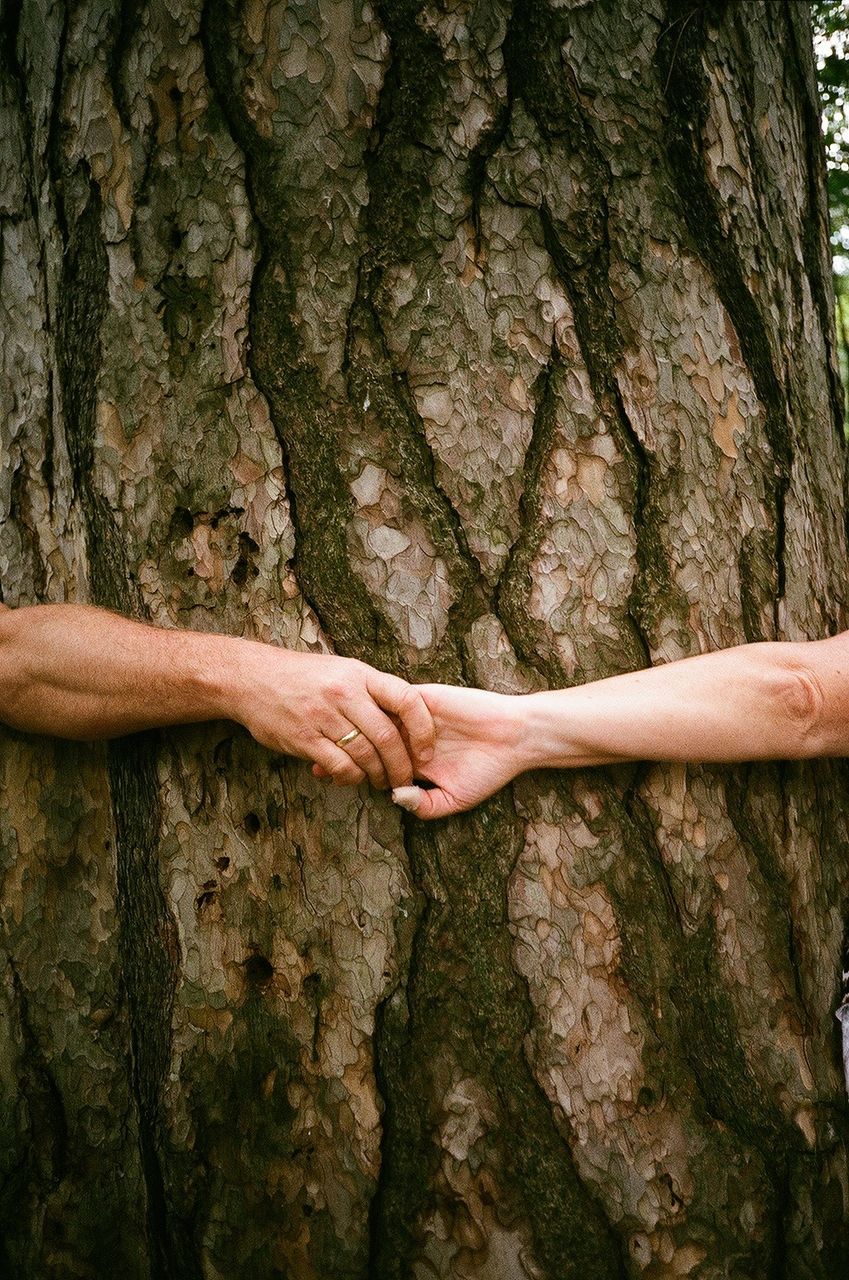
pixel 79 672
pixel 753 702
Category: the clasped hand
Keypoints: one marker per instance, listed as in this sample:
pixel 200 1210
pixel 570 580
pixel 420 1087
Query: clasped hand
pixel 352 721
pixel 83 673
pixel 478 749
pixel 463 742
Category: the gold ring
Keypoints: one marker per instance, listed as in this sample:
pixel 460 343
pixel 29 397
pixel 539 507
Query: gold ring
pixel 347 737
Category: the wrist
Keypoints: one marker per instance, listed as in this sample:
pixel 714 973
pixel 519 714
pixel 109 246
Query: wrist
pixel 546 743
pixel 524 722
pixel 218 676
pixel 528 715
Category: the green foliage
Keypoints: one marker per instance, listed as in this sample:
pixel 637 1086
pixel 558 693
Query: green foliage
pixel 830 20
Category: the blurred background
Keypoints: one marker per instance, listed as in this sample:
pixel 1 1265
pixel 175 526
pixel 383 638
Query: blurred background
pixel 831 44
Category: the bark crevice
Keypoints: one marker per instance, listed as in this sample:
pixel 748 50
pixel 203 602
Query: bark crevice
pixel 680 67
pixel 526 635
pixel 553 100
pixel 465 995
pixel 147 933
pixel 306 429
pixel 376 374
pixel 816 221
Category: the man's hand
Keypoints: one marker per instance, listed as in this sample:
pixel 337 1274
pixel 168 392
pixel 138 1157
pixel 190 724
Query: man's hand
pixel 74 671
pixel 302 704
pixel 479 738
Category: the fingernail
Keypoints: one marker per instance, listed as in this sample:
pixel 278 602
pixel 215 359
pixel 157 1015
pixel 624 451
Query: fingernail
pixel 407 798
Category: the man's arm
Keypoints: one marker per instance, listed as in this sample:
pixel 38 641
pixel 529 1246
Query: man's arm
pixel 751 702
pixel 80 672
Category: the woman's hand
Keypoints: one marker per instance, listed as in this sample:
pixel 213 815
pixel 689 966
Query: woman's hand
pixel 307 704
pixel 479 749
pixel 775 700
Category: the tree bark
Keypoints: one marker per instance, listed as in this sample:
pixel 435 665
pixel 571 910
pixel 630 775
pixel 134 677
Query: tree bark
pixel 489 343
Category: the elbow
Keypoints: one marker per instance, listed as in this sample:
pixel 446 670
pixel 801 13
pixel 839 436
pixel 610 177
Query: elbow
pixel 7 644
pixel 12 682
pixel 802 701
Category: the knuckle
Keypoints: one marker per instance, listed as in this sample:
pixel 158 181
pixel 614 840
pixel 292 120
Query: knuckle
pixel 370 760
pixel 386 736
pixel 408 696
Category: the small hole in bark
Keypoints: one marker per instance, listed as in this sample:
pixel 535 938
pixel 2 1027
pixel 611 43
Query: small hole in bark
pixel 252 823
pixel 312 986
pixel 244 566
pixel 68 873
pixel 204 899
pixel 258 969
pixel 674 1200
pixel 181 523
pixel 222 863
pixel 276 882
pixel 645 1098
pixel 307 1210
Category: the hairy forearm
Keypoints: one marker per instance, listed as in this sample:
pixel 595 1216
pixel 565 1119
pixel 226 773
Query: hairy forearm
pixel 753 702
pixel 79 672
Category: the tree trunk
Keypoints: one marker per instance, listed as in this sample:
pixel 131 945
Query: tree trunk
pixel 490 344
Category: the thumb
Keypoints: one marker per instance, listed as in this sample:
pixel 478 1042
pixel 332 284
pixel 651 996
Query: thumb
pixel 427 804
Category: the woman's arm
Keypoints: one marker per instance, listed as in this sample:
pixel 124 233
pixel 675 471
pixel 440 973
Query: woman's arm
pixel 80 672
pixel 752 702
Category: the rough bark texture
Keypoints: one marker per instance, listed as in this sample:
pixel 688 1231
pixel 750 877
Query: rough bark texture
pixel 490 343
